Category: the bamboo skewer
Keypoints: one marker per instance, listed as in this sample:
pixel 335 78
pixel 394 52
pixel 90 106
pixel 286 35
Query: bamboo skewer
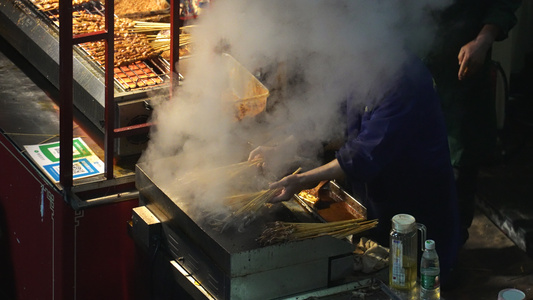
pixel 247 211
pixel 260 200
pixel 256 202
pixel 280 232
pixel 162 42
pixel 228 171
pixel 238 200
pixel 141 26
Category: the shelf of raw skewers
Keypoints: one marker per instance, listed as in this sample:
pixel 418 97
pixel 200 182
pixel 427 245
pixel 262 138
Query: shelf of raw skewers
pixel 141 48
pixel 138 63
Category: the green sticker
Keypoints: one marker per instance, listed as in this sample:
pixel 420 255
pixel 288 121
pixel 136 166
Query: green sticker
pixel 51 151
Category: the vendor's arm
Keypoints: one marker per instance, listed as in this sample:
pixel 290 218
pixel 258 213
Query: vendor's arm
pixel 295 183
pixel 499 20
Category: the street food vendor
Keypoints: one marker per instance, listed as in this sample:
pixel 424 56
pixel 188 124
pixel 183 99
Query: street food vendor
pixel 395 158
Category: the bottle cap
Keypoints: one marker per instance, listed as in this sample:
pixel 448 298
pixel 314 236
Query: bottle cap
pixel 430 244
pixel 403 223
pixel 511 294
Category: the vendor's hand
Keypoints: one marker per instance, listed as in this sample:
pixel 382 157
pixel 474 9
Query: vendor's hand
pixel 296 182
pixel 287 186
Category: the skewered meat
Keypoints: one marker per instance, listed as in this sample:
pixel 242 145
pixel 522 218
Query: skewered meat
pixel 47 5
pixel 122 7
pixel 85 23
pixel 129 46
pixel 130 7
pixel 128 49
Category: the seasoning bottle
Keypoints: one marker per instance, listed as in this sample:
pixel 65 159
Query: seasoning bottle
pixel 403 264
pixel 429 273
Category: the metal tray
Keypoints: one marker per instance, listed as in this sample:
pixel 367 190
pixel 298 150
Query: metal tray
pixel 334 204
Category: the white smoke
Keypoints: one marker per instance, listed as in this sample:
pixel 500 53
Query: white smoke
pixel 316 52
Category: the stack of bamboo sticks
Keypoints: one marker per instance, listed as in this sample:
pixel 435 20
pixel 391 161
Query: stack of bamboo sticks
pixel 253 203
pixel 161 42
pixel 281 232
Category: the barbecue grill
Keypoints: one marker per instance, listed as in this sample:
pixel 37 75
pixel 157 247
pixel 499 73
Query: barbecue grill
pixel 231 264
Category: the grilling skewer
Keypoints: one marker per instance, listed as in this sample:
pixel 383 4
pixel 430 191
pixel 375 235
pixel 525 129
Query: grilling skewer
pixel 228 171
pixel 238 200
pixel 282 232
pixel 246 213
pixel 257 202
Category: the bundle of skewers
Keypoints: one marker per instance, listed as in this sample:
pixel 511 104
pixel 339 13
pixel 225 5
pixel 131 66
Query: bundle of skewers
pixel 48 5
pixel 282 232
pixel 246 200
pixel 142 26
pixel 145 26
pixel 246 206
pixel 134 40
pixel 250 203
pixel 161 41
pixel 130 47
pixel 83 22
pixel 228 172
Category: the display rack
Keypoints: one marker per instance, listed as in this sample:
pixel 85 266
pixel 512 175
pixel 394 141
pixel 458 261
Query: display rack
pixel 111 133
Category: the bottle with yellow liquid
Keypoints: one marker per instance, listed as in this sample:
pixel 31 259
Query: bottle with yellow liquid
pixel 403 263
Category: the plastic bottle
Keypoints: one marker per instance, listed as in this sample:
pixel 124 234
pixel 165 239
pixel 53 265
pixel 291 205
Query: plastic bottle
pixel 429 273
pixel 404 252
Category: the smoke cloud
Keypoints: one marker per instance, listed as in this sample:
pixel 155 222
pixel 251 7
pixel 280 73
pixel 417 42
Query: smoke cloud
pixel 310 53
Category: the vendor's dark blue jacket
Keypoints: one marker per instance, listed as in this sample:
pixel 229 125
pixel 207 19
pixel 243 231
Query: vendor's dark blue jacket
pixel 397 160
